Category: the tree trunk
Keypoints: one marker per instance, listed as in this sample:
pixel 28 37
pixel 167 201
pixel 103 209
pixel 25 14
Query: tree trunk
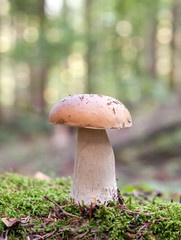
pixel 151 47
pixel 40 70
pixel 173 46
pixel 88 20
pixel 0 81
pixel 178 48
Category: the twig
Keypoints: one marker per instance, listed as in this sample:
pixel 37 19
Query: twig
pixel 152 235
pixel 142 228
pixel 81 210
pixel 82 235
pixel 61 209
pixel 48 235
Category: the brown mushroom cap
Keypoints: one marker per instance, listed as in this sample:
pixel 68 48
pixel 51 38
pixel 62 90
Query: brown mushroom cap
pixel 90 111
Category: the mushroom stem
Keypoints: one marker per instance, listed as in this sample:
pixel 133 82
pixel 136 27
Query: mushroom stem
pixel 94 169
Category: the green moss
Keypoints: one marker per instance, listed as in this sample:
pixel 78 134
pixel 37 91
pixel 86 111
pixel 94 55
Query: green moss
pixel 39 218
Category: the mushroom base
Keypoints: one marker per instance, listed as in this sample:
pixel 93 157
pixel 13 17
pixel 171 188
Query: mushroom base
pixel 94 178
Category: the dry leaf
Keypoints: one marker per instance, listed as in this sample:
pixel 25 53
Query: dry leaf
pixel 9 222
pixel 41 176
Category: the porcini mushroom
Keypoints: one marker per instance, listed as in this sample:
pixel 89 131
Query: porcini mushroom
pixel 94 177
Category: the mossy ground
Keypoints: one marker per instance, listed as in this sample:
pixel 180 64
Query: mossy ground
pixel 33 216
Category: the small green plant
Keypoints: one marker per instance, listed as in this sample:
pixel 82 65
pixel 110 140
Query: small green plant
pixel 37 209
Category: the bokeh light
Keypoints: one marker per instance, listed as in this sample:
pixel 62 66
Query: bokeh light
pixel 164 35
pixel 30 34
pixel 124 28
pixel 4 8
pixel 51 95
pixel 7 87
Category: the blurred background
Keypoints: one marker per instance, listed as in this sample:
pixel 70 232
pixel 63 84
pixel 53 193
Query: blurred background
pixel 130 50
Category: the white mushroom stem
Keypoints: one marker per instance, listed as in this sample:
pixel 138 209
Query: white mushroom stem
pixel 94 178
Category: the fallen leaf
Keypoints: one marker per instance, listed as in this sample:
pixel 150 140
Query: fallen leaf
pixel 9 222
pixel 41 176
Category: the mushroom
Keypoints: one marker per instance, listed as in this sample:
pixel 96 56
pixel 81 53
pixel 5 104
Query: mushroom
pixel 94 179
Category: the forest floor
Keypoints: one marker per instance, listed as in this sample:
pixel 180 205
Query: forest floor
pixel 37 209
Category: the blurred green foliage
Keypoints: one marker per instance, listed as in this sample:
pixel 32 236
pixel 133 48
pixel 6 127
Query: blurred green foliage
pixel 118 48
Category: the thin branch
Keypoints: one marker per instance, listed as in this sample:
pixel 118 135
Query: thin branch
pixel 82 235
pixel 60 208
pixel 48 235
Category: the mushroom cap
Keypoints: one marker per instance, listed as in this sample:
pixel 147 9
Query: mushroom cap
pixel 90 111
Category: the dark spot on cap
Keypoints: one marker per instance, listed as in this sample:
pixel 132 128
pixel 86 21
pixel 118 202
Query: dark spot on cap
pixel 81 98
pixel 117 102
pixel 114 110
pixel 109 103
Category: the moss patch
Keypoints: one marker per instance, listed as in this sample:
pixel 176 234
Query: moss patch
pixel 26 213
